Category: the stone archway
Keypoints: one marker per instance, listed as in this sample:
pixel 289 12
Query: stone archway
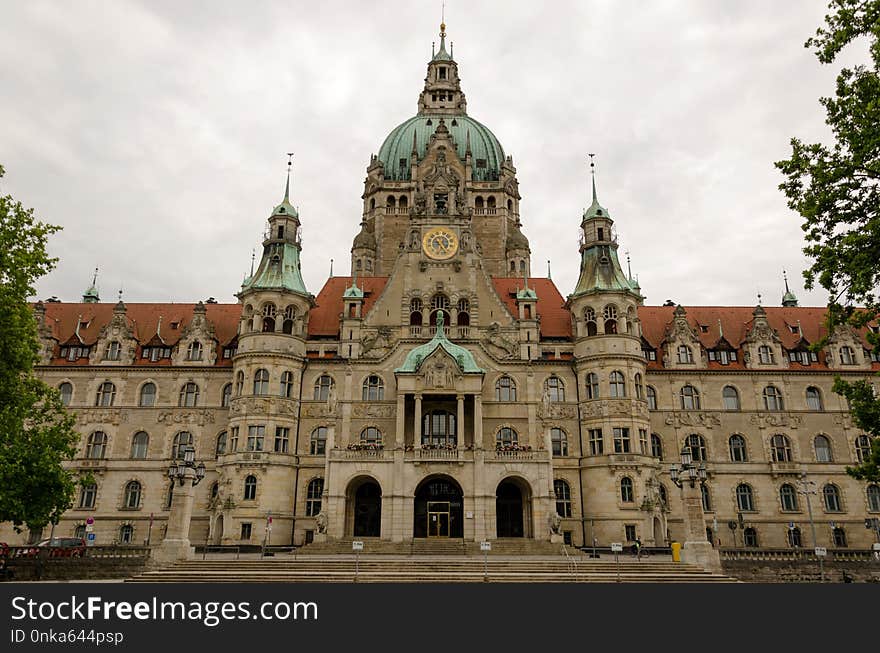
pixel 513 508
pixel 659 539
pixel 438 509
pixel 218 529
pixel 364 513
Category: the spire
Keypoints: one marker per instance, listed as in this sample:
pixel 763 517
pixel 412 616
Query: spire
pixel 789 299
pixel 253 257
pixel 331 267
pixel 467 142
pixel 548 269
pixel 629 272
pixel 441 54
pixel 287 186
pixel 415 147
pixel 353 291
pixel 596 209
pixel 286 208
pixel 90 296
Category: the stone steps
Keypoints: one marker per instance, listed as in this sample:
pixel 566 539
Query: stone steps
pixel 426 569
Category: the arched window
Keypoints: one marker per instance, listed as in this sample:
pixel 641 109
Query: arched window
pixel 250 488
pixel 750 538
pixel 652 398
pixel 592 386
pixel 765 354
pixel 189 395
pixel 132 495
pixel 226 397
pixel 268 317
pixel 194 351
pixel 558 442
pixel 126 534
pixel 863 448
pixel 114 349
pixel 664 496
pixel 730 398
pixel 814 399
pixel 773 398
pixel 610 315
pixel 371 435
pixel 555 389
pixel 626 490
pixel 640 389
pixel 415 312
pixel 181 440
pixel 846 356
pixel 322 387
pixel 313 497
pixel 289 317
pixel 261 382
pixel 318 441
pixel 563 497
pixel 788 498
pixel 239 383
pixel 690 398
pixel 838 536
pixel 66 390
pixel 106 394
pixel 656 446
pixel 139 443
pixel 87 495
pixel 744 498
pixel 831 496
pixel 738 453
pixel 373 388
pixel 590 319
pixel 439 302
pixel 148 395
pixel 780 449
pixel 617 385
pixel 478 202
pixel 707 498
pixel 823 449
pixel 684 354
pixel 794 537
pixel 697 445
pixel 220 447
pixel 873 493
pixel 287 385
pixel 505 389
pixel 464 313
pixel 506 436
pixel 96 448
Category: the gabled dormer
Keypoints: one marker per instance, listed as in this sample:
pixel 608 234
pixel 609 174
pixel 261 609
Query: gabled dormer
pixel 117 342
pixel 198 342
pixel 682 346
pixel 845 350
pixel 762 347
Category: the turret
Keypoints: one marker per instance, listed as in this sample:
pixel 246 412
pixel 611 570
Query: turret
pixel 90 296
pixel 442 93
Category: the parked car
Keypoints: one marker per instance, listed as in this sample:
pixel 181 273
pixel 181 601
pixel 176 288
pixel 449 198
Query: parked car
pixel 60 547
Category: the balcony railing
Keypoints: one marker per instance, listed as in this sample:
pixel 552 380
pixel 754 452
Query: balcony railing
pixel 514 455
pixel 449 455
pixel 396 210
pixel 358 454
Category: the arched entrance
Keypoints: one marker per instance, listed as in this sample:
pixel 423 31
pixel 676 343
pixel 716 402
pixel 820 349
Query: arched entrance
pixel 659 540
pixel 365 498
pixel 512 508
pixel 439 508
pixel 218 530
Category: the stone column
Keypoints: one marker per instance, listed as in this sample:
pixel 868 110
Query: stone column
pixel 417 423
pixel 176 544
pixel 478 422
pixel 697 550
pixel 400 436
pixel 459 421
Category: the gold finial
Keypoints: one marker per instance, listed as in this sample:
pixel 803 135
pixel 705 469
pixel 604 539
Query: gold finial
pixel 443 19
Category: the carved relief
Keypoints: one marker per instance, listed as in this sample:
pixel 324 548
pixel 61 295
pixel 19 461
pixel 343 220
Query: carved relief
pixel 499 344
pixel 373 410
pixel 198 417
pixel 705 420
pixel 776 420
pixel 101 416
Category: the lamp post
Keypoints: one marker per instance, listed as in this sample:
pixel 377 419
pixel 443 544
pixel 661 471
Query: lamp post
pixel 187 473
pixel 808 488
pixel 690 478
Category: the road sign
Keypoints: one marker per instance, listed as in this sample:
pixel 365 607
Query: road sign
pixel 90 539
pixel 485 546
pixel 90 520
pixel 833 525
pixel 791 525
pixel 821 551
pixel 616 547
pixel 357 545
pixel 90 528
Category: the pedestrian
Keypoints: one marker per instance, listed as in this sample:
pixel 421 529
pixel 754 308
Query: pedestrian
pixel 638 548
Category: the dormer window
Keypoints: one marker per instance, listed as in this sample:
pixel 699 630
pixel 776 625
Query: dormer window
pixel 765 355
pixel 481 163
pixel 402 163
pixel 803 357
pixel 846 356
pixel 113 351
pixel 441 72
pixel 722 356
pixel 280 231
pixel 794 328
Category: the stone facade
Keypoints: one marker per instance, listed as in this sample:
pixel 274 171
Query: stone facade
pixel 441 390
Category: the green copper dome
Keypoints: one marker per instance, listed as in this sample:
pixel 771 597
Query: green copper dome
pixel 484 146
pixel 463 357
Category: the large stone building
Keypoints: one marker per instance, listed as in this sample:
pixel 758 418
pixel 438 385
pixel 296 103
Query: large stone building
pixel 442 390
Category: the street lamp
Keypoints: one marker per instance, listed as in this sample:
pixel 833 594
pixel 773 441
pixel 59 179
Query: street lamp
pixel 188 474
pixel 687 471
pixel 808 488
pixel 177 470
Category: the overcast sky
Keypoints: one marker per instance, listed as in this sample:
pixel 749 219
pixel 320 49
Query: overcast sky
pixel 155 132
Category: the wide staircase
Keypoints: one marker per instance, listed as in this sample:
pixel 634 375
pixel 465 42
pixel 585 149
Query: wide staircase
pixel 430 568
pixel 435 546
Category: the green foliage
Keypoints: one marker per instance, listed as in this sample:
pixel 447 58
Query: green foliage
pixel 36 432
pixel 836 191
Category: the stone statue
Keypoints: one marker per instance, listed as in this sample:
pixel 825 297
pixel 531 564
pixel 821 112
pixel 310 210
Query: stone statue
pixel 555 523
pixel 331 399
pixel 545 403
pixel 321 522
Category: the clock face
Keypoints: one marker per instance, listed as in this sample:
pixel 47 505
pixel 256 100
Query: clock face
pixel 440 243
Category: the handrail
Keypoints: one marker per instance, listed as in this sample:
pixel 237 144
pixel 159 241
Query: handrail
pixel 572 563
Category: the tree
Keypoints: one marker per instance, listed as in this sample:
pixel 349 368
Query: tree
pixel 36 432
pixel 836 190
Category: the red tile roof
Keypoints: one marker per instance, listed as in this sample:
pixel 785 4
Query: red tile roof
pixel 555 318
pixel 324 318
